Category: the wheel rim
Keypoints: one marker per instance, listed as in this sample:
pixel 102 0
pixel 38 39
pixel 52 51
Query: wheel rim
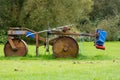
pixel 20 45
pixel 65 47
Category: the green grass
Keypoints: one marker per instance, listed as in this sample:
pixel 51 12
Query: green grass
pixel 59 69
pixel 91 64
pixel 86 52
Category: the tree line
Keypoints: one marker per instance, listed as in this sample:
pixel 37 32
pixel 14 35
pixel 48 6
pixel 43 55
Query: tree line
pixel 88 15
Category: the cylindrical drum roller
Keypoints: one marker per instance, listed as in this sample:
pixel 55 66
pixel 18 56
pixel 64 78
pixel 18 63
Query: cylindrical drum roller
pixel 21 48
pixel 65 47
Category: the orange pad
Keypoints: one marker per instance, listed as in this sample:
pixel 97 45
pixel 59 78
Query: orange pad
pixel 100 47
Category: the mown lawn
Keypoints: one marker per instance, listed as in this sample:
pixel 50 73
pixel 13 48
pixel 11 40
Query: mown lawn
pixel 91 64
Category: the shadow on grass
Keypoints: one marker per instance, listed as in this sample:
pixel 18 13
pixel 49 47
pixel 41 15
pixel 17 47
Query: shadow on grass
pixel 51 57
pixel 96 57
pixel 29 57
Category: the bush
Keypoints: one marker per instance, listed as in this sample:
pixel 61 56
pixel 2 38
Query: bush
pixel 112 27
pixel 3 36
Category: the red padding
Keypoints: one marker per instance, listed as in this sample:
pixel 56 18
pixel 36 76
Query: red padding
pixel 100 47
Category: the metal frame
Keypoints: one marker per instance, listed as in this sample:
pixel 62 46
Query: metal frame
pixel 22 31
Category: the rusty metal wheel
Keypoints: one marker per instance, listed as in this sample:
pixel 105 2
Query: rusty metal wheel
pixel 65 47
pixel 20 51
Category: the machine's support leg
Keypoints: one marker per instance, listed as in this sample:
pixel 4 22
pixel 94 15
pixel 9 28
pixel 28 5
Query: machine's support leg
pixel 11 43
pixel 37 44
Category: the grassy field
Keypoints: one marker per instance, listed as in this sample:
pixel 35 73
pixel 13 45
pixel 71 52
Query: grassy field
pixel 91 64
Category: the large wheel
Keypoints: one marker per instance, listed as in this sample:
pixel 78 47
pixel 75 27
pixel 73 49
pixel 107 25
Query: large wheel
pixel 65 47
pixel 20 51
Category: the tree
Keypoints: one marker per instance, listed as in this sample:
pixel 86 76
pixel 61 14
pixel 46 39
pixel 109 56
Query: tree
pixel 107 12
pixel 36 14
pixel 9 12
pixel 104 9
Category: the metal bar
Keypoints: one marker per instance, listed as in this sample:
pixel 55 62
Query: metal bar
pixel 37 44
pixel 69 33
pixel 11 43
pixel 42 39
pixel 88 34
pixel 64 33
pixel 60 27
pixel 29 30
pixel 17 32
pixel 18 28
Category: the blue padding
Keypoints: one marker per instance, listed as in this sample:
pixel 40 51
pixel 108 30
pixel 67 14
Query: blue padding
pixel 102 37
pixel 30 34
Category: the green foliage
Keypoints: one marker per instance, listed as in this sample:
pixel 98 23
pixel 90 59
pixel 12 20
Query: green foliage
pixel 105 15
pixel 112 27
pixel 3 36
pixel 36 14
pixel 105 8
pixel 9 12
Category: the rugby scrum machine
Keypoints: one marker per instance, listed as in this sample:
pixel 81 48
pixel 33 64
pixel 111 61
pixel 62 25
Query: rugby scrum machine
pixel 63 45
